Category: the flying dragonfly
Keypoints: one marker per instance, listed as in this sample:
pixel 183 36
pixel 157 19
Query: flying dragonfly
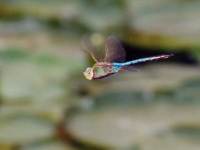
pixel 114 60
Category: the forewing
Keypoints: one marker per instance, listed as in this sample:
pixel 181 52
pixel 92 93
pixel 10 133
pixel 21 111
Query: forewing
pixel 114 52
pixel 89 48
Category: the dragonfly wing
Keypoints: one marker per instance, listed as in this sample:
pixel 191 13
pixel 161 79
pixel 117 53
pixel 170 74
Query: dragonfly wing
pixel 114 52
pixel 89 48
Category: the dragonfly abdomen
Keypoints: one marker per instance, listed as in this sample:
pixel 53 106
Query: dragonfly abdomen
pixel 142 60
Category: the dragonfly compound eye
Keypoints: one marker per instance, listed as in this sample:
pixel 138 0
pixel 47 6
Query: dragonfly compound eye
pixel 88 73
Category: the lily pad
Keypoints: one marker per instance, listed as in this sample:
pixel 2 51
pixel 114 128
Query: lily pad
pixel 25 129
pixel 25 81
pixel 125 126
pixel 165 23
pixel 51 145
pixel 172 140
pixel 34 77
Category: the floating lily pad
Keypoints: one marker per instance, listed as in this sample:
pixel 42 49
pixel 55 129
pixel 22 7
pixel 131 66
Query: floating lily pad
pixel 37 77
pixel 25 81
pixel 25 129
pixel 122 115
pixel 52 112
pixel 181 139
pixel 51 145
pixel 165 23
pixel 125 126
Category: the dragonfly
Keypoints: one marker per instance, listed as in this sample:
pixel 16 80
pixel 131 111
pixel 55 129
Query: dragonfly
pixel 114 60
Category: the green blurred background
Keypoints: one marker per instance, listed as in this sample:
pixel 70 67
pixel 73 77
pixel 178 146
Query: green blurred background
pixel 47 104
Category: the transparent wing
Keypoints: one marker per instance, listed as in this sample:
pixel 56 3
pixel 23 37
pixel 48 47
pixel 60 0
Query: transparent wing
pixel 89 48
pixel 114 52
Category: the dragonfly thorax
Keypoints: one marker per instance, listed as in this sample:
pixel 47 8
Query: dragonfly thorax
pixel 102 69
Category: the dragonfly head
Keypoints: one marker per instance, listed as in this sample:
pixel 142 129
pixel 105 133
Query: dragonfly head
pixel 88 73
